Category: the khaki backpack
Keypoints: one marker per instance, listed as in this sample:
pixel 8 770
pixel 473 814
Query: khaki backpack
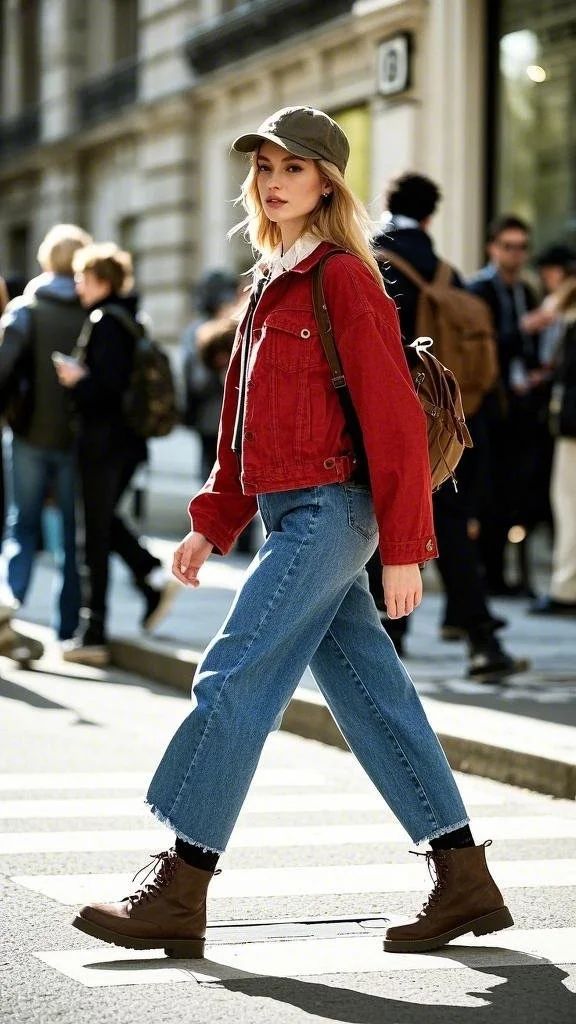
pixel 461 326
pixel 436 387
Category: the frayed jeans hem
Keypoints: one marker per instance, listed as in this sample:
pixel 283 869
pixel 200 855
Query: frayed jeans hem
pixel 442 831
pixel 165 820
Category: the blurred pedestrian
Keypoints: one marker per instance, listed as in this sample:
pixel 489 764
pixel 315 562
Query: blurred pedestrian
pixel 284 445
pixel 47 317
pixel 514 415
pixel 561 599
pixel 216 300
pixel 411 202
pixel 109 451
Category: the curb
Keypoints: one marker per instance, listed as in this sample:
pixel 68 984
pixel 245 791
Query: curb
pixel 515 760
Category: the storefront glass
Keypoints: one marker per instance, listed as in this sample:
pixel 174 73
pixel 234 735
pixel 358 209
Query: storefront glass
pixel 536 116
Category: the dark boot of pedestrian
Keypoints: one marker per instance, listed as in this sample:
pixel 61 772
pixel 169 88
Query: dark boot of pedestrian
pixel 167 913
pixel 487 658
pixel 159 590
pixel 465 898
pixel 90 646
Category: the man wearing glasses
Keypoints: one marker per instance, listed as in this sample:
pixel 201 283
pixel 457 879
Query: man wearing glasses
pixel 517 460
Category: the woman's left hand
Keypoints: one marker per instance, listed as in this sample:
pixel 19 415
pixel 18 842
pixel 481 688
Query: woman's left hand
pixel 69 374
pixel 402 585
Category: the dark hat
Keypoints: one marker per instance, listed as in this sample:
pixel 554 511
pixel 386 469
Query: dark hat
pixel 558 255
pixel 302 131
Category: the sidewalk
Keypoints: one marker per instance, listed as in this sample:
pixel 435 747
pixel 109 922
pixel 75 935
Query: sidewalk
pixel 520 731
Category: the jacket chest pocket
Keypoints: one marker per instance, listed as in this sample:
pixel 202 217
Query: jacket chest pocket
pixel 291 342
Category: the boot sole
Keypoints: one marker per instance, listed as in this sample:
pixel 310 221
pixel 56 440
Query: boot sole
pixel 493 675
pixel 184 949
pixel 494 922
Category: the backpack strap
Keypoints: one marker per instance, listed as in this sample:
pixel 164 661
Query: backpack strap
pixel 323 321
pixel 361 474
pixel 119 313
pixel 444 274
pixel 406 268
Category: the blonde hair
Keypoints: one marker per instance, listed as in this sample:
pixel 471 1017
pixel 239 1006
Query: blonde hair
pixel 57 248
pixel 107 262
pixel 566 300
pixel 341 219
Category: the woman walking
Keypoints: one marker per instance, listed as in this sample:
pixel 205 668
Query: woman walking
pixel 284 449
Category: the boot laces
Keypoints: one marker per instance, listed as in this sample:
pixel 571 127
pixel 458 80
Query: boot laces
pixel 164 866
pixel 438 876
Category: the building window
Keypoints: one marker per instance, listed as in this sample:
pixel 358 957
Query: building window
pixel 30 53
pixel 18 254
pixel 535 148
pixel 125 29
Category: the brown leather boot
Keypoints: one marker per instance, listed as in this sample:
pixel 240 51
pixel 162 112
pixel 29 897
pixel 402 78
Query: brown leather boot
pixel 465 898
pixel 168 913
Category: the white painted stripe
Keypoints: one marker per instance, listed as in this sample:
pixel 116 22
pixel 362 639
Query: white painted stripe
pixel 312 957
pixel 300 881
pixel 278 803
pixel 264 777
pixel 275 837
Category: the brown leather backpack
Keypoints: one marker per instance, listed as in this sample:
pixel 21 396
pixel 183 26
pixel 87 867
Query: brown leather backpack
pixel 436 387
pixel 461 326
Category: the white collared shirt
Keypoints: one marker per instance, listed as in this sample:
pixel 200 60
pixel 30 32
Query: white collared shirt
pixel 279 262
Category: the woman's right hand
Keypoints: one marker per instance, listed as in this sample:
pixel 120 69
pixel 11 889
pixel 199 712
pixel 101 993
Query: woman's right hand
pixel 189 558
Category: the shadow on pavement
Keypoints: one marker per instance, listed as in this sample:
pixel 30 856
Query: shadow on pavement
pixel 535 996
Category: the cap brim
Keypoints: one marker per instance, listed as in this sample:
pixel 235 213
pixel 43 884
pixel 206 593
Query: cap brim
pixel 248 143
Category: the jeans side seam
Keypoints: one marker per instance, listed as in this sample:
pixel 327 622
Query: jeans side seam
pixel 315 509
pixel 403 759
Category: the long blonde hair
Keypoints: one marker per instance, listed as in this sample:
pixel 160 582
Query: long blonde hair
pixel 342 219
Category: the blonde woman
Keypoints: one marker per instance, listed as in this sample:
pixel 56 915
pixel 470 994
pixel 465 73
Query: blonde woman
pixel 284 448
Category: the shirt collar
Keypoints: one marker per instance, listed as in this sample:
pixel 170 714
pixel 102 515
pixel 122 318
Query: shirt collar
pixel 278 262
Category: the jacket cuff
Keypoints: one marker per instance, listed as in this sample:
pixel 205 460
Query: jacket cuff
pixel 222 540
pixel 408 553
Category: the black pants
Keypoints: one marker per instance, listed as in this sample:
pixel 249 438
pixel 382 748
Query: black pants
pixel 103 484
pixel 457 564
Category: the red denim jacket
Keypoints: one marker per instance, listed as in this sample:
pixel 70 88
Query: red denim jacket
pixel 295 435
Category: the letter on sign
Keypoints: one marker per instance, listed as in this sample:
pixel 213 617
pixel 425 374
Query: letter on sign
pixel 394 65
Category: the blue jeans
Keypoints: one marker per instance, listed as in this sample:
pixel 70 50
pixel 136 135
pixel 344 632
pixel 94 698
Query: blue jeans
pixel 35 472
pixel 304 600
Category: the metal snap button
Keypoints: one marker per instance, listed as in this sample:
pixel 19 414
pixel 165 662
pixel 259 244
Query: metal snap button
pixel 248 435
pixel 304 333
pixel 429 545
pixel 329 463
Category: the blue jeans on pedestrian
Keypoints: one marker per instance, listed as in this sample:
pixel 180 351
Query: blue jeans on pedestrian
pixel 304 600
pixel 35 473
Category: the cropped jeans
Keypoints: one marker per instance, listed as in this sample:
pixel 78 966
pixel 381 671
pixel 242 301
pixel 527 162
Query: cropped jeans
pixel 304 600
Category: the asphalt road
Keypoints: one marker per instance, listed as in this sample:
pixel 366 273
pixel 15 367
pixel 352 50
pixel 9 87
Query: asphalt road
pixel 315 852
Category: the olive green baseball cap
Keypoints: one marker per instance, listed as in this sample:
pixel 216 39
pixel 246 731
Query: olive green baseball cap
pixel 302 131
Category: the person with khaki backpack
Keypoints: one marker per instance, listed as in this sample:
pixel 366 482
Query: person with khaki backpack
pixel 431 301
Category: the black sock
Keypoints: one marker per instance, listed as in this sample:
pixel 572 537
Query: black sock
pixel 455 840
pixel 195 856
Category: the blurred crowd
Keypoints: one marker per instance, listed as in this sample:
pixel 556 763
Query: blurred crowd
pixel 68 352
pixel 67 344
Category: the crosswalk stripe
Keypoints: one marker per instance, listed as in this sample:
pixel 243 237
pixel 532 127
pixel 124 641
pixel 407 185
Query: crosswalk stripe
pixel 274 837
pixel 309 958
pixel 256 802
pixel 265 777
pixel 300 881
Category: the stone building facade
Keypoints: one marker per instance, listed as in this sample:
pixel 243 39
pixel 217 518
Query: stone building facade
pixel 119 115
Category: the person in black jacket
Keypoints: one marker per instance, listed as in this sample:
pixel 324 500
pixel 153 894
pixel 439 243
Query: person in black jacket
pixel 411 202
pixel 514 415
pixel 109 451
